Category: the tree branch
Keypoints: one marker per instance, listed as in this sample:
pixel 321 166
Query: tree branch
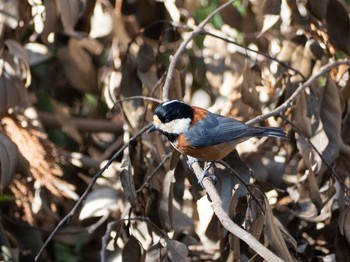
pixel 87 190
pixel 225 220
pixel 182 47
pixel 289 102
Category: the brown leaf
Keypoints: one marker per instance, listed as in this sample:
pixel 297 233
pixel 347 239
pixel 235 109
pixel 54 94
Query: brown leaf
pixel 338 23
pixel 177 251
pixel 127 180
pixel 131 86
pixel 344 224
pixel 52 20
pixel 70 11
pixel 11 84
pixel 65 119
pixel 156 253
pixel 21 60
pixel 257 226
pixel 146 71
pixel 248 88
pixel 8 160
pixel 271 14
pixel 318 8
pixel 331 115
pixel 313 190
pixel 78 63
pixel 166 201
pixel 274 235
pixel 132 250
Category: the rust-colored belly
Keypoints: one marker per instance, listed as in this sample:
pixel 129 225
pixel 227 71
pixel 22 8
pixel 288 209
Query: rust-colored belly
pixel 207 153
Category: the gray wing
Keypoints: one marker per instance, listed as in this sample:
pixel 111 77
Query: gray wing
pixel 217 129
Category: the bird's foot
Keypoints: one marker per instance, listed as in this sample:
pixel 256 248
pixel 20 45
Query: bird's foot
pixel 206 173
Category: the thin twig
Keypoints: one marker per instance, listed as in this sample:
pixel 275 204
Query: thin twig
pixel 183 45
pixel 87 190
pixel 147 98
pixel 247 186
pixel 289 102
pixel 334 173
pixel 149 178
pixel 226 221
pixel 229 40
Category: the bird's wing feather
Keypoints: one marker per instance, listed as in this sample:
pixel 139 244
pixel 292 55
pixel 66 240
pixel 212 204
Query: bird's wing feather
pixel 217 129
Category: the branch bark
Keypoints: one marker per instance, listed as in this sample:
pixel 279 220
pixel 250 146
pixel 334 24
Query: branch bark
pixel 289 102
pixel 182 47
pixel 226 221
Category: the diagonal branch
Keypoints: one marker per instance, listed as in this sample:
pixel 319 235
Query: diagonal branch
pixel 182 47
pixel 87 190
pixel 226 221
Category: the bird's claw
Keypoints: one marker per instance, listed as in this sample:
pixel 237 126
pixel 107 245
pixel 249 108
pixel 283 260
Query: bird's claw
pixel 206 173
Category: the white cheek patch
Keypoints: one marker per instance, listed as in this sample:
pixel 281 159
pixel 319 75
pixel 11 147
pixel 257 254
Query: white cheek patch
pixel 176 126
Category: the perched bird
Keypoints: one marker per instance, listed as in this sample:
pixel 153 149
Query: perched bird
pixel 199 133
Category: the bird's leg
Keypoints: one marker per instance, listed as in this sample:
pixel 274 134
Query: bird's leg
pixel 206 173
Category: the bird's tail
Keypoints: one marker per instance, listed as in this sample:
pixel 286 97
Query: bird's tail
pixel 275 132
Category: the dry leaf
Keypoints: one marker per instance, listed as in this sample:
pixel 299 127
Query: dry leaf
pixel 274 235
pixel 248 88
pixel 338 23
pixel 132 250
pixel 70 11
pixel 166 201
pixel 177 251
pixel 127 181
pixel 156 253
pixel 8 160
pixel 100 202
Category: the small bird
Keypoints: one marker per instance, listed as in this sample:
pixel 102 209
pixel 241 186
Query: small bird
pixel 196 132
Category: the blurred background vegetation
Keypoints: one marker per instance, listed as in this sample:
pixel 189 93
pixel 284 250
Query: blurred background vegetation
pixel 64 64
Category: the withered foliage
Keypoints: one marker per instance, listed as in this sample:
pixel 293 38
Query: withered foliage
pixel 69 75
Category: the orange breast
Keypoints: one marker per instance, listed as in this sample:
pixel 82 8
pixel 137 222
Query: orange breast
pixel 207 153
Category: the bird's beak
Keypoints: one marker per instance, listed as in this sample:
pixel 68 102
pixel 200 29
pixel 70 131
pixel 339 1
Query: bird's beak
pixel 152 129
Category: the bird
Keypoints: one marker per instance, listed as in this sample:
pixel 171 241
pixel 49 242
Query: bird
pixel 204 135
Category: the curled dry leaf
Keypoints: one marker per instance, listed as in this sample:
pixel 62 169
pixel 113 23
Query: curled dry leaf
pixel 8 160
